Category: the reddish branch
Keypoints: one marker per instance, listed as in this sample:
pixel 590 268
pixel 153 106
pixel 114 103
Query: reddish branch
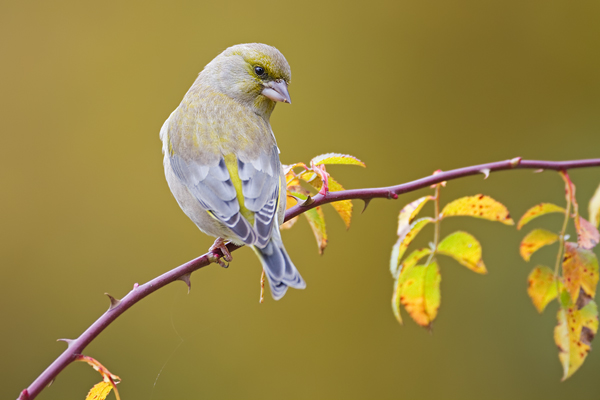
pixel 118 307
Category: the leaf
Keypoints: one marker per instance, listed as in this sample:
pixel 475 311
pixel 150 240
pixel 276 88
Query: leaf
pixel 573 335
pixel 337 158
pixel 465 249
pixel 542 287
pixel 420 292
pixel 343 207
pixel 409 212
pixel 479 206
pixel 535 240
pixel 107 377
pixel 316 219
pixel 537 211
pixel 580 269
pixel 404 241
pixel 409 262
pixel 99 391
pixel 594 208
pixel 587 234
pixel 291 201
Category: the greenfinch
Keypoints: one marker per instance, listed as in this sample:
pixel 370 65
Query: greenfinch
pixel 221 159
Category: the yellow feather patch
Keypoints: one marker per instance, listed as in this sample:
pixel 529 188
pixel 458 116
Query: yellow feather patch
pixel 232 166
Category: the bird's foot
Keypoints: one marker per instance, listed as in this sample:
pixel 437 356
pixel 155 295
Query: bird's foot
pixel 221 245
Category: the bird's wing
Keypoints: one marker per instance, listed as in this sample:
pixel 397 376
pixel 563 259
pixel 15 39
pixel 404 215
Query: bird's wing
pixel 261 188
pixel 215 189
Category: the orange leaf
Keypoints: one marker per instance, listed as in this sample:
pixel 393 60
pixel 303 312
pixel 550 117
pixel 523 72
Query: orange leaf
pixel 479 206
pixel 404 241
pixel 99 391
pixel 420 292
pixel 539 210
pixel 336 158
pixel 465 249
pixel 580 269
pixel 594 208
pixel 542 287
pixel 316 219
pixel 409 262
pixel 107 376
pixel 573 335
pixel 587 234
pixel 535 240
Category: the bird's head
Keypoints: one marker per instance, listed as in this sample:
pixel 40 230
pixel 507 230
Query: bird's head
pixel 254 74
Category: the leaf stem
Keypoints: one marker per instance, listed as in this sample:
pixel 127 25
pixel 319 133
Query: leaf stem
pixel 561 237
pixel 436 232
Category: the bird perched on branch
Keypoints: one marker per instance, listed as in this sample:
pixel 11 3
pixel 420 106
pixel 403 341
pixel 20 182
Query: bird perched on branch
pixel 221 159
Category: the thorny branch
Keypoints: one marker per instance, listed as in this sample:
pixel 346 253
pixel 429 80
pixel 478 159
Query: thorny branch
pixel 182 272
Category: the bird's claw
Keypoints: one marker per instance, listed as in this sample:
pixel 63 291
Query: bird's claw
pixel 220 244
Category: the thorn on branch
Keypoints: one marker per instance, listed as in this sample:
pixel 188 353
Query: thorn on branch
pixel 367 201
pixel 485 172
pixel 69 342
pixel 515 161
pixel 24 395
pixel 114 303
pixel 309 200
pixel 186 278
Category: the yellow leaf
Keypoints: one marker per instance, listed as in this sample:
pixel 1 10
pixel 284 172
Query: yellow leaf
pixel 316 219
pixel 573 335
pixel 420 292
pixel 409 262
pixel 343 207
pixel 587 234
pixel 542 287
pixel 580 270
pixel 291 202
pixel 404 241
pixel 594 208
pixel 107 376
pixel 336 158
pixel 535 240
pixel 409 212
pixel 99 391
pixel 479 206
pixel 465 249
pixel 539 210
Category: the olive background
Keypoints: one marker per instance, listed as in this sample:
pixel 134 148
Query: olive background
pixel 406 86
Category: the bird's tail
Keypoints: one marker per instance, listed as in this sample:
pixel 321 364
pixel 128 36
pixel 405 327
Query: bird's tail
pixel 278 267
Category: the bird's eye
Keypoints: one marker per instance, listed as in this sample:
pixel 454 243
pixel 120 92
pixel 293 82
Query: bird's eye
pixel 260 71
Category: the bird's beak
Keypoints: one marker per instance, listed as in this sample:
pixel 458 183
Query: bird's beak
pixel 277 91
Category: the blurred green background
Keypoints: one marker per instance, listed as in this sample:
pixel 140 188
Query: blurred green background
pixel 406 86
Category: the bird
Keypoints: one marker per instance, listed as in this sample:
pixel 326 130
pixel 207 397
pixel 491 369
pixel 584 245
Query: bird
pixel 221 158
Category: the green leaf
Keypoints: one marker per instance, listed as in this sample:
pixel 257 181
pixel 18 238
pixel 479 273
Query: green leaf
pixel 337 158
pixel 542 287
pixel 409 262
pixel 419 292
pixel 478 206
pixel 535 240
pixel 465 249
pixel 538 211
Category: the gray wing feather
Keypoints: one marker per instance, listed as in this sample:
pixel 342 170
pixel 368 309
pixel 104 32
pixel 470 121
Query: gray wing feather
pixel 260 187
pixel 212 187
